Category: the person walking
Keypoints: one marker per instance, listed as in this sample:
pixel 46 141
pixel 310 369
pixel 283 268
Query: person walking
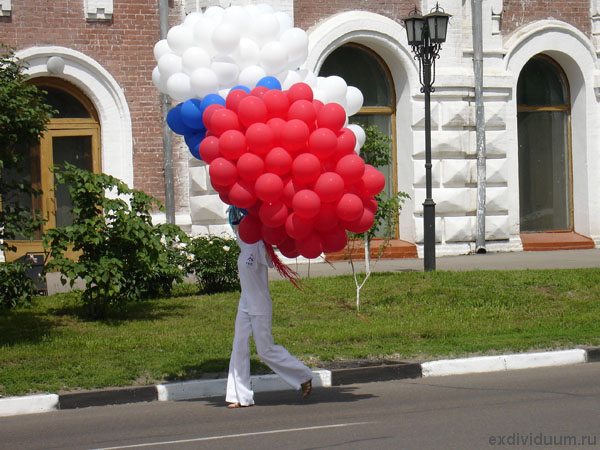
pixel 254 317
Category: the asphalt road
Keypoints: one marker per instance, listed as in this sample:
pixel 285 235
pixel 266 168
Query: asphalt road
pixel 542 408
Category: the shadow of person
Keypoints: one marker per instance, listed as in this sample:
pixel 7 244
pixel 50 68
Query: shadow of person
pixel 336 394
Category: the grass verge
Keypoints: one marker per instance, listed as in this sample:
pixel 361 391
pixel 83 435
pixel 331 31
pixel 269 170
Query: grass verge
pixel 49 347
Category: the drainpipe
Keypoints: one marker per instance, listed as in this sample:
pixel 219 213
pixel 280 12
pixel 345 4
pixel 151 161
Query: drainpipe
pixel 476 13
pixel 163 11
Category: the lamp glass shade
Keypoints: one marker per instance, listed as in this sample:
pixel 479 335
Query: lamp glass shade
pixel 414 29
pixel 437 22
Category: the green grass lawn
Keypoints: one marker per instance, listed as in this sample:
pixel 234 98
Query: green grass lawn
pixel 411 316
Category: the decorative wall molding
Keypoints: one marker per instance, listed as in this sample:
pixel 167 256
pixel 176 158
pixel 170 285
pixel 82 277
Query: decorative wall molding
pixel 98 9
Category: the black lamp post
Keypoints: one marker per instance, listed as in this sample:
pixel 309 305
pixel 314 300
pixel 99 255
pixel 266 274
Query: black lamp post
pixel 426 34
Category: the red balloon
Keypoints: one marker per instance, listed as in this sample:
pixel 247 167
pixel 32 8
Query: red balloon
pixel 288 248
pixel 209 149
pixel 260 138
pixel 362 224
pixel 277 103
pixel 322 143
pixel 252 110
pixel 223 120
pixel 306 168
pixel 334 240
pixel 276 124
pixel 234 98
pixel 220 188
pixel 274 236
pixel 306 204
pixel 223 172
pixel 310 246
pixel 332 116
pixel 259 91
pixel 298 227
pixel 273 214
pixel 349 207
pixel 278 161
pixel 303 110
pixel 370 204
pixel 232 144
pixel 250 166
pixel 346 142
pixel 290 189
pixel 318 104
pixel 329 187
pixel 242 194
pixel 250 229
pixel 350 168
pixel 300 91
pixel 268 187
pixel 255 209
pixel 208 112
pixel 294 135
pixel 371 183
pixel 224 198
pixel 328 165
pixel 327 218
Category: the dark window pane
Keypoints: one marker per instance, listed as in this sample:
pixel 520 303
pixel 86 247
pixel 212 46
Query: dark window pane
pixel 544 181
pixel 541 83
pixel 66 105
pixel 362 69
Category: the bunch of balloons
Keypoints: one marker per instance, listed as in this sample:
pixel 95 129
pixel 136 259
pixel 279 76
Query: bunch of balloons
pixel 288 159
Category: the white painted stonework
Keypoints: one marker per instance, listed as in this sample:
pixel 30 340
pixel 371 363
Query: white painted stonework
pixel 5 8
pixel 98 9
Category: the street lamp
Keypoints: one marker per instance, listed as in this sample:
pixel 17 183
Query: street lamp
pixel 426 34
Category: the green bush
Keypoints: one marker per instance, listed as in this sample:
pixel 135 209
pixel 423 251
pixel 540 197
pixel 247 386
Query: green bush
pixel 16 288
pixel 213 260
pixel 122 256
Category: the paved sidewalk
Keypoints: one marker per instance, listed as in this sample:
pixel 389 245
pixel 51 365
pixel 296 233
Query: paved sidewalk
pixel 360 373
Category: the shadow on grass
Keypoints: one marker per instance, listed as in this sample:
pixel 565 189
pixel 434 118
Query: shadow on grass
pixel 25 326
pixel 214 368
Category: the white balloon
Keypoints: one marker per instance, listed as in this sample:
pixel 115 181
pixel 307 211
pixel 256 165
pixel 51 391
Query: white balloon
pixel 204 81
pixel 265 8
pixel 238 17
pixel 191 19
pixel 309 77
pixel 289 78
pixel 158 81
pixel 360 135
pixel 226 38
pixel 285 21
pixel 226 69
pixel 354 100
pixel 321 95
pixel 252 10
pixel 224 92
pixel 295 41
pixel 178 87
pixel 161 48
pixel 273 57
pixel 169 64
pixel 298 60
pixel 194 58
pixel 251 75
pixel 247 54
pixel 264 28
pixel 180 38
pixel 214 13
pixel 336 88
pixel 203 31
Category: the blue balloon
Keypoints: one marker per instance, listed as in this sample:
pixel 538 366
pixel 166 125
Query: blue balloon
pixel 175 123
pixel 212 99
pixel 243 88
pixel 269 82
pixel 191 114
pixel 193 142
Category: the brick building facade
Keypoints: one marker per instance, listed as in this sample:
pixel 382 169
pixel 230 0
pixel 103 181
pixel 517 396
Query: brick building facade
pixel 105 51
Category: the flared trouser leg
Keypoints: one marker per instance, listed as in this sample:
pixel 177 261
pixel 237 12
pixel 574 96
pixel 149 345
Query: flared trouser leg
pixel 238 379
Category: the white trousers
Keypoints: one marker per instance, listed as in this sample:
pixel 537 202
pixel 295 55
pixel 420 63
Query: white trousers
pixel 276 357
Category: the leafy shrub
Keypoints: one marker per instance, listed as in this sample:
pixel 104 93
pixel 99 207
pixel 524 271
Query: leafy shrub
pixel 16 288
pixel 123 257
pixel 214 262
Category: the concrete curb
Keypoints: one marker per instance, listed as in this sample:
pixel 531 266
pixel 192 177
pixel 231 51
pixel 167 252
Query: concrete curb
pixel 196 389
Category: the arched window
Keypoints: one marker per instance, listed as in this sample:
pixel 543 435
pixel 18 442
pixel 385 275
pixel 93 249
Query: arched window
pixel 73 136
pixel 543 116
pixel 361 67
